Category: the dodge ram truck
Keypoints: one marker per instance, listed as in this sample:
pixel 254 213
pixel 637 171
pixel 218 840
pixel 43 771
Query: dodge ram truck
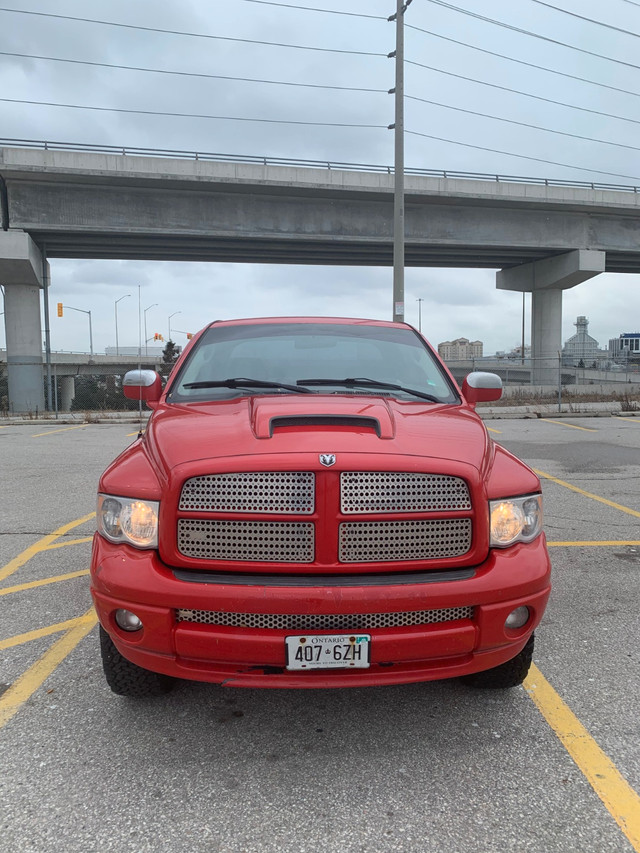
pixel 316 503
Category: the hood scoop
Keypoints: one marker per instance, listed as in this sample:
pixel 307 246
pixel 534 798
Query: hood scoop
pixel 268 416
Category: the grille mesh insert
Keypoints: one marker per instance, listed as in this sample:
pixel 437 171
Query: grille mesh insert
pixel 391 491
pixel 372 541
pixel 278 492
pixel 324 622
pixel 265 541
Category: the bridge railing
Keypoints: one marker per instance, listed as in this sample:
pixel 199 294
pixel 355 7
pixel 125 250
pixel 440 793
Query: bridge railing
pixel 336 165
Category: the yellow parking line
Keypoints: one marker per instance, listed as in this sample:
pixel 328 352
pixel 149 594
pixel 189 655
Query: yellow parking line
pixel 622 802
pixel 68 542
pixel 24 687
pixel 28 636
pixel 137 432
pixel 64 429
pixel 41 545
pixel 571 426
pixel 588 494
pixel 613 542
pixel 491 429
pixel 9 590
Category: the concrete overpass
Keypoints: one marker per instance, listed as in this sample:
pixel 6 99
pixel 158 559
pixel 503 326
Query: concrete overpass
pixel 65 366
pixel 76 204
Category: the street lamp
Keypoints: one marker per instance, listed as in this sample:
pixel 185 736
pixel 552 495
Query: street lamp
pixel 170 316
pixel 419 301
pixel 82 311
pixel 116 307
pixel 146 349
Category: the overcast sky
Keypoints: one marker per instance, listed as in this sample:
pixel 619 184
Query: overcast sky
pixel 455 40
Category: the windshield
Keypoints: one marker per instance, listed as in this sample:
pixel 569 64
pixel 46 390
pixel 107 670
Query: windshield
pixel 278 355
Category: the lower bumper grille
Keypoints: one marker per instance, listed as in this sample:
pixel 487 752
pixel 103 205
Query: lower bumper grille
pixel 324 622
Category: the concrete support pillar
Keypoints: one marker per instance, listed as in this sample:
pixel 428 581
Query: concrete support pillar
pixel 21 276
pixel 67 392
pixel 546 279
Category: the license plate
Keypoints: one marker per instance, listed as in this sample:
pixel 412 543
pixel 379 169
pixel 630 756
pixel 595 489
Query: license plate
pixel 328 651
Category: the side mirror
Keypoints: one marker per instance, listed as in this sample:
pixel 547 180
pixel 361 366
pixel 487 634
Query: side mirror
pixel 480 387
pixel 142 385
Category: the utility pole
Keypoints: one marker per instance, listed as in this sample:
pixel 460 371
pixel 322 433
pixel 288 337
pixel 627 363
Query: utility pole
pixel 398 169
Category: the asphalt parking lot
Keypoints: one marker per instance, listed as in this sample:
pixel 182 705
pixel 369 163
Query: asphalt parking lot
pixel 550 766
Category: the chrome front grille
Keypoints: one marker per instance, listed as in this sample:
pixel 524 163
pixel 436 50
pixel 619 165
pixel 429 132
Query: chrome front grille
pixel 390 491
pixel 254 541
pixel 324 622
pixel 271 492
pixel 385 541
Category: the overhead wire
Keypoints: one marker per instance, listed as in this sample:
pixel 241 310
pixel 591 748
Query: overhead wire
pixel 523 62
pixel 532 34
pixel 584 18
pixel 190 73
pixel 192 35
pixel 519 92
pixel 523 124
pixel 523 156
pixel 314 9
pixel 193 115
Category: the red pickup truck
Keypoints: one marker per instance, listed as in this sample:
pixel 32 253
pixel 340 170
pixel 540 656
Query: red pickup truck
pixel 316 503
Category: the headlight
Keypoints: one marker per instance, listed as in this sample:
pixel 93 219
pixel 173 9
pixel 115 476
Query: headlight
pixel 128 520
pixel 515 520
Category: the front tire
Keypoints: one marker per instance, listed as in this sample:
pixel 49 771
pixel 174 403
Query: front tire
pixel 509 674
pixel 128 679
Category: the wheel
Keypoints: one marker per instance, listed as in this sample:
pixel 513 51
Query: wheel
pixel 128 679
pixel 508 674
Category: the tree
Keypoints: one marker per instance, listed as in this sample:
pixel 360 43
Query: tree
pixel 170 355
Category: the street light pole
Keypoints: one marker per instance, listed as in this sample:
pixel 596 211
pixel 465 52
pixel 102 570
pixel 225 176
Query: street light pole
pixel 116 307
pixel 82 311
pixel 398 169
pixel 170 316
pixel 419 301
pixel 146 348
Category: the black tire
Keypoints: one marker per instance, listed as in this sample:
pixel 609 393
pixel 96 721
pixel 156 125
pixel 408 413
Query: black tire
pixel 509 674
pixel 128 679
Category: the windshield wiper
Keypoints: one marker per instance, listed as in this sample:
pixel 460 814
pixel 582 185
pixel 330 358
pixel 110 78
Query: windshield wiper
pixel 363 382
pixel 245 382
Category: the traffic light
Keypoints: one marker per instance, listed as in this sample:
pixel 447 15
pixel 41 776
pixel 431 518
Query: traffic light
pixel 158 337
pixel 59 309
pixel 189 336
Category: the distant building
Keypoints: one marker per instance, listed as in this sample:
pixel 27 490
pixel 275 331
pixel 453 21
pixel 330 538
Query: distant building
pixel 581 347
pixel 625 346
pixel 462 349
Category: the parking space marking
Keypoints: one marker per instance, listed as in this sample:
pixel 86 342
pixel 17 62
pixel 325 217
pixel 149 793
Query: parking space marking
pixel 617 543
pixel 41 545
pixel 491 429
pixel 588 494
pixel 64 429
pixel 25 686
pixel 9 590
pixel 571 426
pixel 68 542
pixel 622 802
pixel 28 636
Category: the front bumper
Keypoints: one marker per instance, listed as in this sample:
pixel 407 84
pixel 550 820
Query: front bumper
pixel 123 577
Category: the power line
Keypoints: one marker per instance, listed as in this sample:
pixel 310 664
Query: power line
pixel 523 156
pixel 190 73
pixel 523 124
pixel 526 94
pixel 529 33
pixel 522 62
pixel 191 35
pixel 193 115
pixel 312 9
pixel 583 18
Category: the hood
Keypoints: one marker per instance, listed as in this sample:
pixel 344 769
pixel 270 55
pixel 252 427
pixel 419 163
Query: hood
pixel 339 424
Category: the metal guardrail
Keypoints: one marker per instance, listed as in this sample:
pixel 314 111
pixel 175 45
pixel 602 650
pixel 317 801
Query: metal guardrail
pixel 335 165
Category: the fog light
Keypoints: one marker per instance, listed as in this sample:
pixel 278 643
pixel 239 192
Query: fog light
pixel 127 620
pixel 517 618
